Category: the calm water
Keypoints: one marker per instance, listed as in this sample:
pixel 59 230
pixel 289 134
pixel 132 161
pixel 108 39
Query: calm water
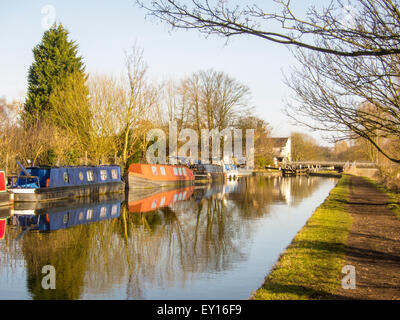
pixel 212 242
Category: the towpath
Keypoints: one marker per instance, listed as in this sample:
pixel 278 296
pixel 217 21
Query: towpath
pixel 373 244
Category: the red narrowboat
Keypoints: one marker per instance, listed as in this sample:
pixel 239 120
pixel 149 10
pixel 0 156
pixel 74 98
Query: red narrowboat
pixel 5 197
pixel 159 200
pixel 157 175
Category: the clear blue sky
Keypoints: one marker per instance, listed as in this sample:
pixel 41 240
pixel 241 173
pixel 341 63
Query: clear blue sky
pixel 103 29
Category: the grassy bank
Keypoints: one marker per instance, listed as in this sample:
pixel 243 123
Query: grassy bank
pixel 326 173
pixel 310 268
pixel 394 203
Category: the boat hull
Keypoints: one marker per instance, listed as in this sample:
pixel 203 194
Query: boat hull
pixel 209 177
pixel 138 182
pixel 94 191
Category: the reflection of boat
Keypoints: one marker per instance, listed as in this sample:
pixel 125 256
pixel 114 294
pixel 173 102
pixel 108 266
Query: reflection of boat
pixel 4 194
pixel 156 175
pixel 35 208
pixel 157 200
pixel 56 183
pixel 231 171
pixel 63 217
pixel 215 190
pixel 3 224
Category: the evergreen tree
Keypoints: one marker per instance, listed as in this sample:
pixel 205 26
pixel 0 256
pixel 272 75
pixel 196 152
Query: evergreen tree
pixel 55 59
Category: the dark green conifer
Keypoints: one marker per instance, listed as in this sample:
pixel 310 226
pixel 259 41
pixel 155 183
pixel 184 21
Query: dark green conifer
pixel 55 59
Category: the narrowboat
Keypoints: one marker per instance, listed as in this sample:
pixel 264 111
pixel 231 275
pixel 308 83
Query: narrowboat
pixel 5 197
pixel 208 172
pixel 38 184
pixel 155 175
pixel 158 200
pixel 64 218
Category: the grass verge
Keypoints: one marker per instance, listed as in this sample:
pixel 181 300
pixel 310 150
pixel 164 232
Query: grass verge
pixel 394 202
pixel 310 268
pixel 326 173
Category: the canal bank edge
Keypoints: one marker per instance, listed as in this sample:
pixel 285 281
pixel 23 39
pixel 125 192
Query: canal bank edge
pixel 310 268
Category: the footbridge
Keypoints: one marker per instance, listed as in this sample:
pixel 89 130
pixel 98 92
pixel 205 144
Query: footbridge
pixel 336 165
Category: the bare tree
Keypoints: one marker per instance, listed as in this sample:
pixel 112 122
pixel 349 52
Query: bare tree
pixel 325 30
pixel 210 100
pixel 139 109
pixel 348 97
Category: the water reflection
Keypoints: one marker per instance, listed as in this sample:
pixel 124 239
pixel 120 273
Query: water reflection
pixel 155 244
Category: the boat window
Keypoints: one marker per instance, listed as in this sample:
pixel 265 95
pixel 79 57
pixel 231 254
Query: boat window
pixel 114 174
pixel 66 218
pixel 114 210
pixel 184 171
pixel 103 212
pixel 180 171
pixel 66 177
pixel 89 214
pixel 162 169
pixel 81 176
pixel 154 204
pixel 162 201
pixel 175 171
pixel 81 216
pixel 154 170
pixel 103 175
pixel 89 175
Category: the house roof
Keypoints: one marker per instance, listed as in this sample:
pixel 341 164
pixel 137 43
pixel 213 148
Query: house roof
pixel 279 142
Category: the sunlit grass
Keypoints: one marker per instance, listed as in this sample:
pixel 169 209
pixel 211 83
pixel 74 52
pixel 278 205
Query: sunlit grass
pixel 310 268
pixel 327 173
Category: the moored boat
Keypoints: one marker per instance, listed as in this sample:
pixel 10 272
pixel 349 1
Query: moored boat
pixel 5 198
pixel 57 183
pixel 157 175
pixel 208 172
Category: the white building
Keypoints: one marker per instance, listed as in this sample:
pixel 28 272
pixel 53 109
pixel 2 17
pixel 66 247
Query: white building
pixel 281 149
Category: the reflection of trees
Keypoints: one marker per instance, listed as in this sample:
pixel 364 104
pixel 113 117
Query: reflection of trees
pixel 256 194
pixel 66 251
pixel 188 238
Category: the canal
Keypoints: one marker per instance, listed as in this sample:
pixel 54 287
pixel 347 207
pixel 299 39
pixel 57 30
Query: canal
pixel 203 242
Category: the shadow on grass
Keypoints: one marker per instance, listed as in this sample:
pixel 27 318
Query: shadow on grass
pixel 339 248
pixel 298 290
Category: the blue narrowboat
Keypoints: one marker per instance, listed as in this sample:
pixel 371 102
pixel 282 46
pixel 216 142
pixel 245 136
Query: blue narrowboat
pixel 58 183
